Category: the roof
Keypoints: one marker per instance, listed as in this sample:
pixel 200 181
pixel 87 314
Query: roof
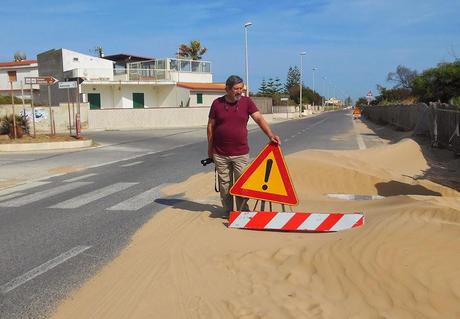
pixel 202 86
pixel 126 57
pixel 17 63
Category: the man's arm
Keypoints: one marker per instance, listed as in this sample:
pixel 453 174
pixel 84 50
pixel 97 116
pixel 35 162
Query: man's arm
pixel 259 119
pixel 211 124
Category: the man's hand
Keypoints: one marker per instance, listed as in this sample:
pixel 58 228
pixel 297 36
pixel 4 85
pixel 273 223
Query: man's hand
pixel 275 139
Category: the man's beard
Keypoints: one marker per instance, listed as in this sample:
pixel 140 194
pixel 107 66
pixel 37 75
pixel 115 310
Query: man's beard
pixel 237 97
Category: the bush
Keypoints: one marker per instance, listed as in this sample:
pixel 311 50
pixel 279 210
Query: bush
pixel 6 124
pixel 6 99
pixel 455 100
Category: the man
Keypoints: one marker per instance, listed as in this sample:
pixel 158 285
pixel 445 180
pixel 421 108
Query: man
pixel 228 138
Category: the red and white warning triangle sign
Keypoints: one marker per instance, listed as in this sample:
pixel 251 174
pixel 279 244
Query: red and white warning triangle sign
pixel 267 178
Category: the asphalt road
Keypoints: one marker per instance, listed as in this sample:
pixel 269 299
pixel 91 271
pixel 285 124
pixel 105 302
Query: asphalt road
pixel 55 232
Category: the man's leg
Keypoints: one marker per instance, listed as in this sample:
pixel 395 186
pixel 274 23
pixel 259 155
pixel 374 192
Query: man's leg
pixel 223 168
pixel 239 164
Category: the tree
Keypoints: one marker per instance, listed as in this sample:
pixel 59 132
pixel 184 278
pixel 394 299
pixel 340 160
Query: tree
pixel 441 83
pixel 193 51
pixel 263 88
pixel 362 101
pixel 403 77
pixel 349 101
pixel 393 96
pixel 293 78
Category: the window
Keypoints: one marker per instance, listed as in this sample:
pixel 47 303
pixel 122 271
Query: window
pixel 138 100
pixel 12 76
pixel 94 100
pixel 199 98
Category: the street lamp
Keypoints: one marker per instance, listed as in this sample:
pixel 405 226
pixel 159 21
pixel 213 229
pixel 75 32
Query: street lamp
pixel 246 26
pixel 301 80
pixel 314 69
pixel 324 90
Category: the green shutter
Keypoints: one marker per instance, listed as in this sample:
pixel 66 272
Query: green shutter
pixel 138 100
pixel 199 98
pixel 94 100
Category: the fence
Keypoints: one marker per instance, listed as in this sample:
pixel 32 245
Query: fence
pixel 440 122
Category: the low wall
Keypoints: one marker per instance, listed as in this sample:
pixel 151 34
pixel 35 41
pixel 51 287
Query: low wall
pixel 110 119
pixel 119 119
pixel 42 116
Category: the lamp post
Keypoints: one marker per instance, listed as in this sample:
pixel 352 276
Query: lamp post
pixel 314 69
pixel 324 90
pixel 246 26
pixel 301 80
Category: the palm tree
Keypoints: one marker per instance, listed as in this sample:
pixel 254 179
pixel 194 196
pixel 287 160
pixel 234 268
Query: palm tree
pixel 193 51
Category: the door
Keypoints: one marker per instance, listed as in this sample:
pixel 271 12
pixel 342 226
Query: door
pixel 138 100
pixel 94 100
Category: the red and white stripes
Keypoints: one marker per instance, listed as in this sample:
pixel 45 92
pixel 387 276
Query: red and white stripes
pixel 300 221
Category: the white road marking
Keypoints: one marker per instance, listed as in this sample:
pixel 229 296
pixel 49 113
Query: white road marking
pixel 21 187
pixel 92 196
pixel 43 268
pixel 79 178
pixel 17 202
pixel 355 197
pixel 132 164
pixel 359 138
pixel 139 201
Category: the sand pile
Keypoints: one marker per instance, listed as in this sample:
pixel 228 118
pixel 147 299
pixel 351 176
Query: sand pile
pixel 403 263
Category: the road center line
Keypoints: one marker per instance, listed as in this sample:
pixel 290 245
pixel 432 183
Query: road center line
pixel 132 164
pixel 43 268
pixel 78 178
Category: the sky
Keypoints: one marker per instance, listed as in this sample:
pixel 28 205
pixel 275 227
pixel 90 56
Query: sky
pixel 353 44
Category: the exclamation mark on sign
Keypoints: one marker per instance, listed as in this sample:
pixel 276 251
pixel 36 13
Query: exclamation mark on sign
pixel 268 168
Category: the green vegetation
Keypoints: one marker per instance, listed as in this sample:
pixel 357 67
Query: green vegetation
pixel 276 90
pixel 6 125
pixel 6 99
pixel 193 51
pixel 438 84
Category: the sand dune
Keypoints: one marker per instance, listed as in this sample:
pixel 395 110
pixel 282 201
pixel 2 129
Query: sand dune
pixel 185 262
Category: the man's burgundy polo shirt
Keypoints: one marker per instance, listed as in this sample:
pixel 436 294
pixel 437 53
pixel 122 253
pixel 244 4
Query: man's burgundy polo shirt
pixel 230 130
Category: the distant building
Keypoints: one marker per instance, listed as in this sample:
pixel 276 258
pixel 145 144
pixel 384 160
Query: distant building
pixel 65 65
pixel 151 83
pixel 17 71
pixel 129 81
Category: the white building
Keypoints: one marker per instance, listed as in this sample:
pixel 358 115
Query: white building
pixel 155 83
pixel 15 72
pixel 65 65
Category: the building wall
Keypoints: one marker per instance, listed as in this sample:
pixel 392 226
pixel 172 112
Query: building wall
pixel 121 96
pixel 208 97
pixel 191 77
pixel 89 67
pixel 60 64
pixel 21 73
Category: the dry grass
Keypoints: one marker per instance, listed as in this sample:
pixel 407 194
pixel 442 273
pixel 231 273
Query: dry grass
pixel 4 139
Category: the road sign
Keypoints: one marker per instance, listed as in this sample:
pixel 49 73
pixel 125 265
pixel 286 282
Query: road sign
pixel 43 80
pixel 288 221
pixel 68 85
pixel 267 178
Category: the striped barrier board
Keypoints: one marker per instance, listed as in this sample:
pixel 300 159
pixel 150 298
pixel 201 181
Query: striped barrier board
pixel 298 221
